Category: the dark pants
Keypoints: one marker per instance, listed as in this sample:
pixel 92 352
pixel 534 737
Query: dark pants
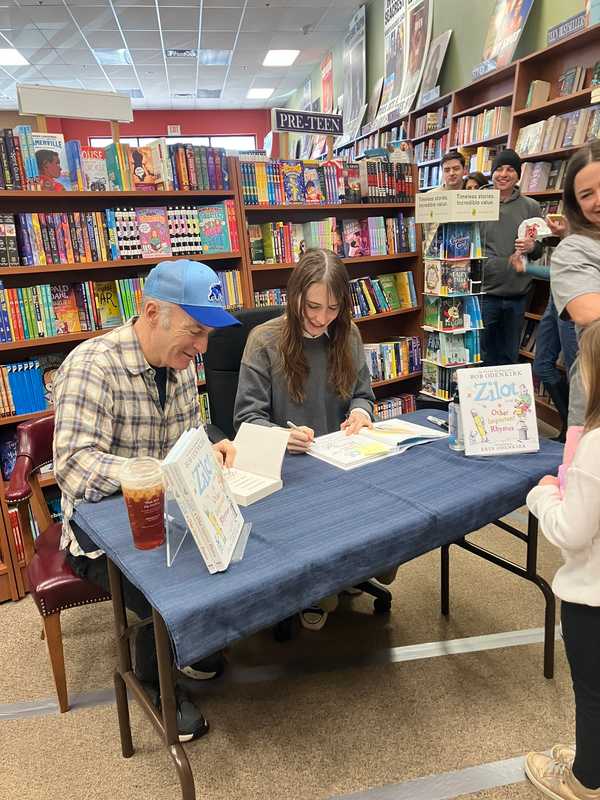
pixel 553 335
pixel 581 633
pixel 95 570
pixel 503 322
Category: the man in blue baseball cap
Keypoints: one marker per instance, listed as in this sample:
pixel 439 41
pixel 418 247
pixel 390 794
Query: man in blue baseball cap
pixel 128 393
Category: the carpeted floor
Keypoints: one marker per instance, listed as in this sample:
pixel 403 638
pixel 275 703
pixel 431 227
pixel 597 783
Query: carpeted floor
pixel 317 730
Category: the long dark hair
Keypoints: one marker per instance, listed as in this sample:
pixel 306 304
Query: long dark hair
pixel 589 354
pixel 318 266
pixel 578 223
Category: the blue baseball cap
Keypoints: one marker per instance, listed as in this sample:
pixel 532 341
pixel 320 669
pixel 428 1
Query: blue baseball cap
pixel 194 287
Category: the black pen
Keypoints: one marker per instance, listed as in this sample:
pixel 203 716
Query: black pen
pixel 441 423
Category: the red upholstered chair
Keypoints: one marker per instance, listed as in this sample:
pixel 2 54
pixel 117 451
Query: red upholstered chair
pixel 52 583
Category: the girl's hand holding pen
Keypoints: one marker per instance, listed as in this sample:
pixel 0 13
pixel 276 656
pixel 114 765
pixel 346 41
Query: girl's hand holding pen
pixel 300 439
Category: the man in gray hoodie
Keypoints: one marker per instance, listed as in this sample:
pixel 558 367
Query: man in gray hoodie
pixel 503 305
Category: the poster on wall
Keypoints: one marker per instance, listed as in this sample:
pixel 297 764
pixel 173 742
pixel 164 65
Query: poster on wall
pixel 327 83
pixel 354 74
pixel 506 26
pixel 407 33
pixel 306 142
pixel 433 66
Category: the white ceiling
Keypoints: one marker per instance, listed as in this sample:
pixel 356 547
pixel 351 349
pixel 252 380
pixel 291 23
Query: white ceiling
pixel 58 37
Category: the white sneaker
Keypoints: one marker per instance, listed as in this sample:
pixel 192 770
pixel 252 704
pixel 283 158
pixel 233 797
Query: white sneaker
pixel 563 753
pixel 555 779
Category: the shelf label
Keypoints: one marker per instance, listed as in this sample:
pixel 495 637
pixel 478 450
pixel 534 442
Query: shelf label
pixel 285 120
pixel 482 69
pixel 458 206
pixel 566 28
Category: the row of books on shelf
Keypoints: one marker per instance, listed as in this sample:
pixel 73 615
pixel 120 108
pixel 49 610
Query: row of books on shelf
pixel 45 161
pixel 447 351
pixel 396 358
pixel 284 242
pixel 25 386
pixel 270 297
pixel 200 374
pixel 431 149
pixel 481 160
pixel 438 381
pixel 485 125
pixel 376 295
pixel 539 176
pixel 33 312
pixel 551 207
pixel 571 81
pixel 15 525
pixel 395 406
pixel 454 240
pixel 447 278
pixel 267 183
pixel 563 130
pixel 432 121
pixel 447 314
pixel 429 176
pixel 74 237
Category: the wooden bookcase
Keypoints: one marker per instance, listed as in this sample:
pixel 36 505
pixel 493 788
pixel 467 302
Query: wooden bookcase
pixel 376 328
pixel 12 569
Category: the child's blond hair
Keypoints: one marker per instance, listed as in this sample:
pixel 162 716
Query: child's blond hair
pixel 589 358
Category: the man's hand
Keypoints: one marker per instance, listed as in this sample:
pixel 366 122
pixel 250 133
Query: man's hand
pixel 517 262
pixel 557 224
pixel 548 480
pixel 524 246
pixel 300 439
pixel 225 452
pixel 355 422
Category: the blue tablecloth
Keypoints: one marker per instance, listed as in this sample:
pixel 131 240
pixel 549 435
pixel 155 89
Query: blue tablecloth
pixel 326 529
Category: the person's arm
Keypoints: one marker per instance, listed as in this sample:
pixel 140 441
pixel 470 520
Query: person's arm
pixel 538 271
pixel 585 309
pixel 83 464
pixel 253 398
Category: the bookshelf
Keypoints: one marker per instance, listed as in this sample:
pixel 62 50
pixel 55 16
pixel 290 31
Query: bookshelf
pixel 12 569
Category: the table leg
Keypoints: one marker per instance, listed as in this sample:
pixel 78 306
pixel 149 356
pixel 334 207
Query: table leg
pixel 169 709
pixel 124 654
pixel 445 578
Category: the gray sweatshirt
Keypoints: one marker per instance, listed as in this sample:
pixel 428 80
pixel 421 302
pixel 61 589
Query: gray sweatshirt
pixel 262 396
pixel 499 277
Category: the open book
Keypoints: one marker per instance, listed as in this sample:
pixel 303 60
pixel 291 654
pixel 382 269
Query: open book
pixel 386 438
pixel 196 480
pixel 258 458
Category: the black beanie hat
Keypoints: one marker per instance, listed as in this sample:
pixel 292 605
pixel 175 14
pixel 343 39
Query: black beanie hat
pixel 507 158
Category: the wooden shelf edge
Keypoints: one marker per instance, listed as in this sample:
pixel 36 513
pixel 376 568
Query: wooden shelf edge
pixel 348 261
pixel 531 315
pixel 399 379
pixel 422 137
pixel 386 314
pixel 326 206
pixel 483 142
pixel 554 104
pixel 492 103
pixel 22 194
pixel 44 269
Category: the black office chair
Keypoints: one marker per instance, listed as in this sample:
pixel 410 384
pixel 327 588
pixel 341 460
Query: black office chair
pixel 222 369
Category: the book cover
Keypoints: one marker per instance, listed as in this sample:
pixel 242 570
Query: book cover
pixel 214 230
pixel 144 173
pixel 52 162
pixel 93 167
pixel 153 227
pixel 107 304
pixel 312 184
pixel 258 460
pixel 566 81
pixel 353 240
pixel 64 306
pixel 293 181
pixel 498 410
pixel 49 363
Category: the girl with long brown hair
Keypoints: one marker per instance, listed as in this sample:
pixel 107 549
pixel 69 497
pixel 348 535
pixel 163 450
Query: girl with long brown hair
pixel 572 522
pixel 575 270
pixel 308 366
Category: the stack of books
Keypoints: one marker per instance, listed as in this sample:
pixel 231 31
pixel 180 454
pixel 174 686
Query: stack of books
pixel 432 121
pixel 382 293
pixel 394 359
pixel 485 125
pixel 565 130
pixel 539 176
pixel 392 407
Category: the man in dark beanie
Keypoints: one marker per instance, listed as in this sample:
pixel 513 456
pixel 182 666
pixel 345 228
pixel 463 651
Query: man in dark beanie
pixel 503 305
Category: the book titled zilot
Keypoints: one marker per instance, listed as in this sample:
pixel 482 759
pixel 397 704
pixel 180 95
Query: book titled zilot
pixel 384 439
pixel 498 410
pixel 196 481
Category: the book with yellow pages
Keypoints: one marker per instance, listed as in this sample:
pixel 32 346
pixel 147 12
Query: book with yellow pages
pixel 386 438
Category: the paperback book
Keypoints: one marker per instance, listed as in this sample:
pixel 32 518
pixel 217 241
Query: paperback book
pixel 52 162
pixel 258 459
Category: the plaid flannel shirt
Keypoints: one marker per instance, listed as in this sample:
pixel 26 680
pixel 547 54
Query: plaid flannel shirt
pixel 107 410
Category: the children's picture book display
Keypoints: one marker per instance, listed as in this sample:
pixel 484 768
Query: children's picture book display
pixel 498 410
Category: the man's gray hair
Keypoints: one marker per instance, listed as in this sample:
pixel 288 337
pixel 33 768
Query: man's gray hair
pixel 164 308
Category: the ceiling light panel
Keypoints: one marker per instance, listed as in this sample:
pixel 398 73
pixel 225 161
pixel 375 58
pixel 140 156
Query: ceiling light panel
pixel 259 94
pixel 214 58
pixel 280 58
pixel 9 57
pixel 113 57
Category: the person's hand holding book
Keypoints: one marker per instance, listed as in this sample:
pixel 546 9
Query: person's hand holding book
pixel 355 422
pixel 224 452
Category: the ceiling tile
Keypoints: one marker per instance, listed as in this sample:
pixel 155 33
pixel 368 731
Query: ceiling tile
pixel 151 74
pixel 28 37
pixel 138 19
pixel 49 16
pixel 119 71
pixel 215 40
pixel 179 19
pixel 39 55
pixel 77 56
pixel 180 39
pixel 96 84
pixel 67 38
pixel 145 39
pixel 103 39
pixel 141 57
pixel 179 70
pixel 14 18
pixel 221 3
pixel 221 19
pixel 95 18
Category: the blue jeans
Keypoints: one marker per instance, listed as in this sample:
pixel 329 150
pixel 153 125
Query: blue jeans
pixel 503 322
pixel 553 335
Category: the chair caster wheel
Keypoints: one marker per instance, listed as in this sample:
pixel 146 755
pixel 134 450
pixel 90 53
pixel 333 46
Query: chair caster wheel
pixel 382 606
pixel 284 630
